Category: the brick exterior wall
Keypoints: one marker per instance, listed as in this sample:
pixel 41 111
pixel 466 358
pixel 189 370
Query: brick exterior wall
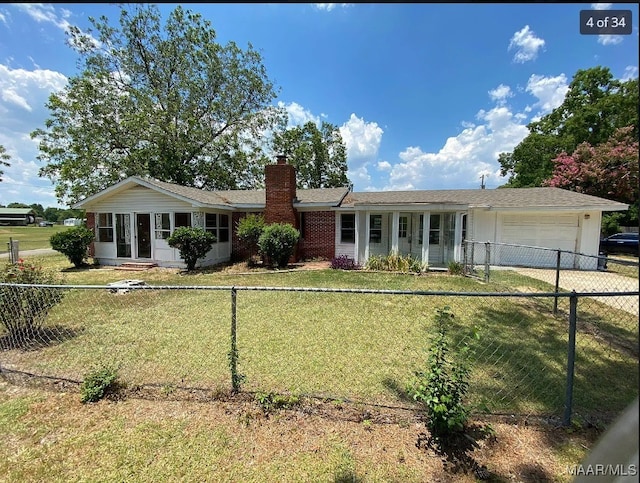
pixel 91 224
pixel 319 232
pixel 280 183
pixel 319 226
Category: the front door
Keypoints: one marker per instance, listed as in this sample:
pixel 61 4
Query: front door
pixel 143 228
pixel 404 234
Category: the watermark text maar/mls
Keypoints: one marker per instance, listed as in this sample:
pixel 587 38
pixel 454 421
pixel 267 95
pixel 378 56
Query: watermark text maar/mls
pixel 602 470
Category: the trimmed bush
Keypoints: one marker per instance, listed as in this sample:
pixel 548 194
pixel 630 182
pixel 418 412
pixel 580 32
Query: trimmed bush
pixel 277 243
pixel 193 243
pixel 249 230
pixel 73 243
pixel 24 310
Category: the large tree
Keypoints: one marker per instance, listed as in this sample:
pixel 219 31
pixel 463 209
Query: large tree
pixel 165 101
pixel 4 159
pixel 319 154
pixel 595 106
pixel 609 170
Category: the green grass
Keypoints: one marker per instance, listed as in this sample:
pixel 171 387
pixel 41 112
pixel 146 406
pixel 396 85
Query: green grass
pixel 30 237
pixel 361 347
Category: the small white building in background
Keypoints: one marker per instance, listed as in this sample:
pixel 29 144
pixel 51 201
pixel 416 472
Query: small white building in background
pixel 73 222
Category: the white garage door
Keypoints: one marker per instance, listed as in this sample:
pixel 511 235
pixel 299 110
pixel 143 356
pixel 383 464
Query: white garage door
pixel 550 231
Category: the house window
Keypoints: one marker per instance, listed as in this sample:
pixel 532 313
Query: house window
pixel 375 228
pixel 105 227
pixel 223 228
pixel 181 219
pixel 217 224
pixel 347 228
pixel 421 230
pixel 211 225
pixel 434 230
pixel 403 226
pixel 163 226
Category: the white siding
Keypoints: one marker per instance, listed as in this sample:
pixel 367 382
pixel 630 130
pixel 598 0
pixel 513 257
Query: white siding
pixel 346 249
pixel 140 199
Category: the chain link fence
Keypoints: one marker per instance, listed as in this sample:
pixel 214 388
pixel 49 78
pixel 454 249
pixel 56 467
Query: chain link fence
pixel 361 346
pixel 553 270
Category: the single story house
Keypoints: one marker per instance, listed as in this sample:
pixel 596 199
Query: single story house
pixel 17 216
pixel 133 218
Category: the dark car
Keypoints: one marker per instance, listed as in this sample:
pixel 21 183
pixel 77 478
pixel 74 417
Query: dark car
pixel 620 243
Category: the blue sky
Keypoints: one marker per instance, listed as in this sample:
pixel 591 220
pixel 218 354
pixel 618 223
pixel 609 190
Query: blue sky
pixel 426 95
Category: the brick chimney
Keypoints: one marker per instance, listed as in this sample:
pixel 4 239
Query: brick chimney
pixel 280 181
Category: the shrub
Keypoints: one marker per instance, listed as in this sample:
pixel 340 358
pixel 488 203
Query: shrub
pixel 394 262
pixel 249 230
pixel 442 387
pixel 23 310
pixel 73 243
pixel 344 262
pixel 277 243
pixel 455 268
pixel 192 242
pixel 97 383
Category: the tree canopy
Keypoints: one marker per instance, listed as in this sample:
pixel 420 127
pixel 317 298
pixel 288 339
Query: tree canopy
pixel 595 106
pixel 164 101
pixel 609 170
pixel 4 159
pixel 318 154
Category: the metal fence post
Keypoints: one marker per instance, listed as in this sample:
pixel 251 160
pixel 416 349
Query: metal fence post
pixel 487 258
pixel 557 289
pixel 14 253
pixel 233 354
pixel 571 358
pixel 465 261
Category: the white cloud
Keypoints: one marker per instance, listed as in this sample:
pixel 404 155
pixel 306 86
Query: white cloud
pixel 47 13
pixel 463 159
pixel 23 94
pixel 610 39
pixel 526 45
pixel 41 12
pixel 601 6
pixel 384 166
pixel 327 7
pixel 550 91
pixel 630 72
pixel 3 18
pixel 361 138
pixel 26 89
pixel 501 93
pixel 298 115
pixel 11 96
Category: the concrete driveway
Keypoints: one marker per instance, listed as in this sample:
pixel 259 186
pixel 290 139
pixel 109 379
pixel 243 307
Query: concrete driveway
pixel 591 281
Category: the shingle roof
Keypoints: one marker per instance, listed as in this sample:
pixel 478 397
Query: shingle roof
pixel 503 198
pixel 495 198
pixel 329 196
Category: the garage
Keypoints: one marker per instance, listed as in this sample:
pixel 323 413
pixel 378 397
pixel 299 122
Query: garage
pixel 538 230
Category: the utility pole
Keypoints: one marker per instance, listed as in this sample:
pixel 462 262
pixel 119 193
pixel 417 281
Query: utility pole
pixel 482 182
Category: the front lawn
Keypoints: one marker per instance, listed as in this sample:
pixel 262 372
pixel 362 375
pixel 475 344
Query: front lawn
pixel 359 347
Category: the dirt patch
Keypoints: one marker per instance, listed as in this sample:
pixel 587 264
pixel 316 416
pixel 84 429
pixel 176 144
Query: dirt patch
pixel 494 448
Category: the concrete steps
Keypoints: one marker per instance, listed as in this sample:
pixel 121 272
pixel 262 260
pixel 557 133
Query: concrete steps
pixel 136 266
